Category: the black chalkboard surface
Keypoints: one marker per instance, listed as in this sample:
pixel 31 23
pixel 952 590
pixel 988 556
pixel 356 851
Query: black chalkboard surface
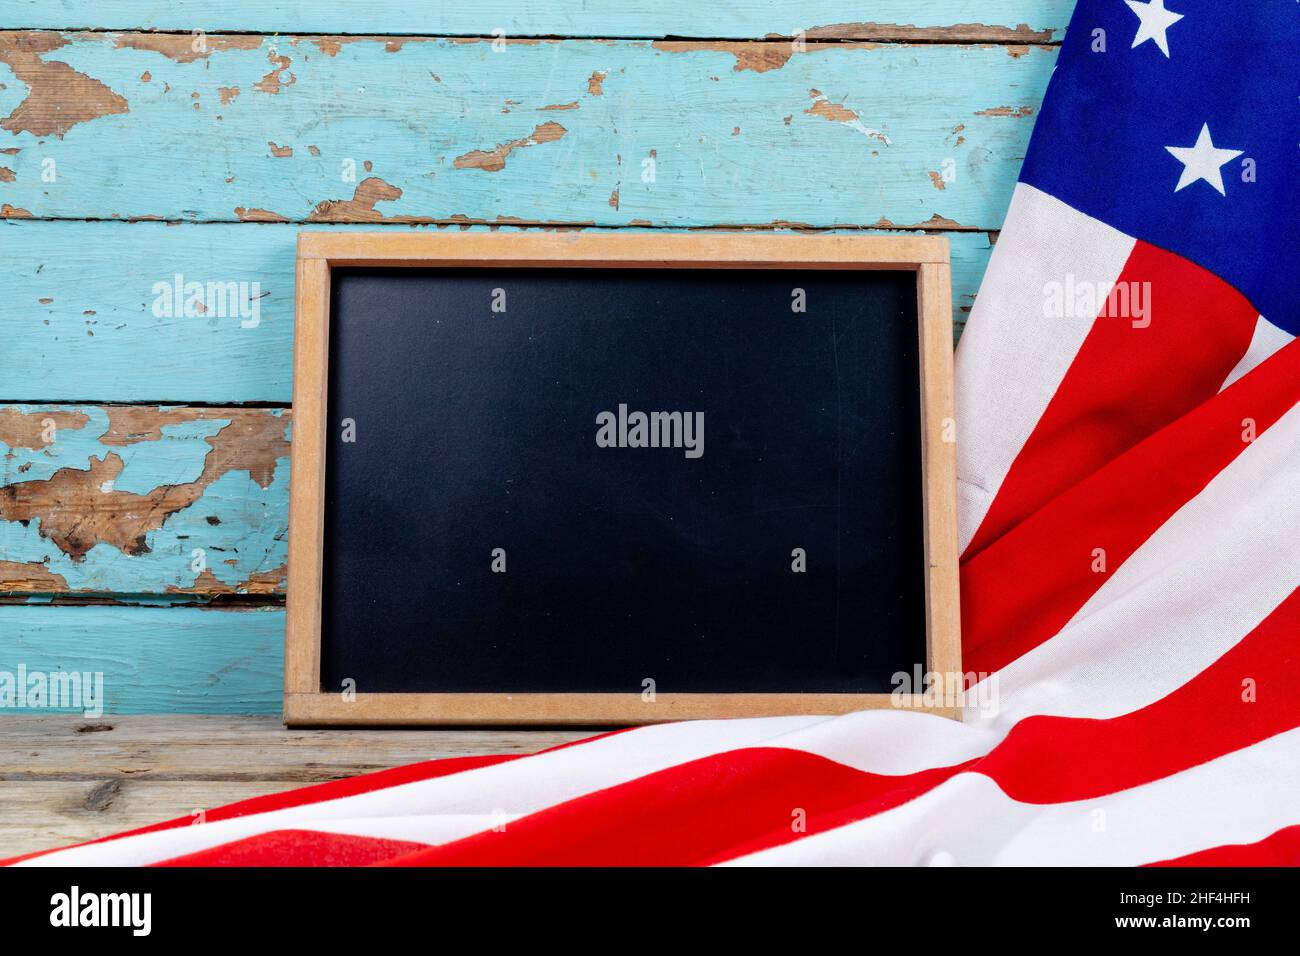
pixel 621 481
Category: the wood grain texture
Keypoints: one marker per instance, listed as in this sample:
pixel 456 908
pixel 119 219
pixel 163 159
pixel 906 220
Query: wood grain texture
pixel 443 130
pixel 48 814
pixel 64 780
pixel 614 250
pixel 579 709
pixel 754 19
pixel 154 660
pixel 939 464
pixel 143 502
pixel 79 321
pixel 307 516
pixel 232 748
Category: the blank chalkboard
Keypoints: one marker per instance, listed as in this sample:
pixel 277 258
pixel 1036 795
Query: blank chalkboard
pixel 611 490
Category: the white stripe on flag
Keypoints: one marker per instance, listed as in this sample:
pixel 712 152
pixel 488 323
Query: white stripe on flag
pixel 1268 338
pixel 1009 337
pixel 1241 797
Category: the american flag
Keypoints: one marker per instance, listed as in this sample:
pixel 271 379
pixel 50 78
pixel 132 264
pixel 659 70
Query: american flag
pixel 1130 507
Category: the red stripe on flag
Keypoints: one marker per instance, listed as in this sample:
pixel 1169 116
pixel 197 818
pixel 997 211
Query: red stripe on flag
pixel 1126 382
pixel 1278 849
pixel 298 848
pixel 713 808
pixel 1057 760
pixel 1021 590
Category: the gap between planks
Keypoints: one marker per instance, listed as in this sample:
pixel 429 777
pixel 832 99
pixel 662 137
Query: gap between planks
pixel 965 34
pixel 944 227
pixel 144 403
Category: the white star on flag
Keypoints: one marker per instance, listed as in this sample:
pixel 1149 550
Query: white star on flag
pixel 1155 21
pixel 1202 161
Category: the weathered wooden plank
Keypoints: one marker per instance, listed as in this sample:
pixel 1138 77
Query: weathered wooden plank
pixel 64 780
pixel 218 747
pixel 1033 20
pixel 664 133
pixel 153 660
pixel 80 325
pixel 129 500
pixel 48 814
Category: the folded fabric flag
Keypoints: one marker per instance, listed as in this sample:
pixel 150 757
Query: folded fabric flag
pixel 1129 441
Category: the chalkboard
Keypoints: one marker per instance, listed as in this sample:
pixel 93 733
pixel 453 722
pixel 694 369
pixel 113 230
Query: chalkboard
pixel 613 490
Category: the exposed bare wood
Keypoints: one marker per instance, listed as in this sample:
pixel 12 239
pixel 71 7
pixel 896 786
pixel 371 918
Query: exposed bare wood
pixel 30 577
pixel 49 814
pixel 210 747
pixel 58 97
pixel 35 430
pixel 64 780
pixel 955 33
pixel 494 160
pixel 78 507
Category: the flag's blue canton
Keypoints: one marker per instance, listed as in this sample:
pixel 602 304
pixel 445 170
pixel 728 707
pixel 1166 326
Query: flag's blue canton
pixel 1103 142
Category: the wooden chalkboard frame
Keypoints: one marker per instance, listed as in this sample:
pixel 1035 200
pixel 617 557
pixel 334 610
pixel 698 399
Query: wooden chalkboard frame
pixel 305 703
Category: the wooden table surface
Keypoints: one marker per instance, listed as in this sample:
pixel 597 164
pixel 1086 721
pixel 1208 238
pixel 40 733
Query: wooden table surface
pixel 66 779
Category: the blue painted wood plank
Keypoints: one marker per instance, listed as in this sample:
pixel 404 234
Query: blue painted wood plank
pixel 80 324
pixel 152 660
pixel 610 133
pixel 140 502
pixel 754 19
